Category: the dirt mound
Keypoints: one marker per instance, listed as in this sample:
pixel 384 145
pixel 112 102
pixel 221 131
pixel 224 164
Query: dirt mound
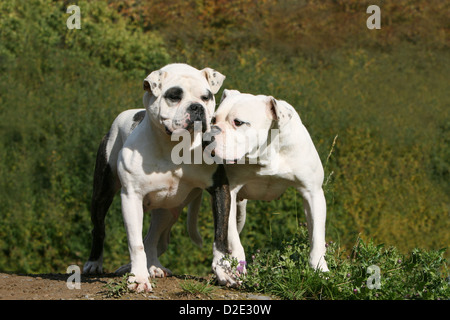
pixel 104 287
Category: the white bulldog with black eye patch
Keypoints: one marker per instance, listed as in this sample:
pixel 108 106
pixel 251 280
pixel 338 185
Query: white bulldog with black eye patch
pixel 266 149
pixel 135 156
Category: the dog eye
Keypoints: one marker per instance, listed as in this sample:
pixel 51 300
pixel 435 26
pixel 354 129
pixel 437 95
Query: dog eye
pixel 213 120
pixel 174 99
pixel 238 123
pixel 207 97
pixel 174 94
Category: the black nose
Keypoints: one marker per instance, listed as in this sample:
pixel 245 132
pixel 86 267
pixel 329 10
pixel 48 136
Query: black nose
pixel 195 107
pixel 197 113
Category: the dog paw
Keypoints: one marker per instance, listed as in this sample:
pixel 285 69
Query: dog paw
pixel 225 277
pixel 92 267
pixel 123 269
pixel 139 284
pixel 323 267
pixel 159 272
pixel 319 264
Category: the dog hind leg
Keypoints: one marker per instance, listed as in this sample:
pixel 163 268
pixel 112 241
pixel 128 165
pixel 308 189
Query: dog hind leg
pixel 192 220
pixel 104 188
pixel 157 240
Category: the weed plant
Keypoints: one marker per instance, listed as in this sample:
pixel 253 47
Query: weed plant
pixel 367 272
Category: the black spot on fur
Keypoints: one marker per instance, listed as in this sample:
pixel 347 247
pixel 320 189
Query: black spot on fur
pixel 137 118
pixel 174 94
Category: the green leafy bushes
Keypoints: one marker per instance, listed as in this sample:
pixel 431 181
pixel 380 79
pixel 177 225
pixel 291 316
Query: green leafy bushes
pixel 367 272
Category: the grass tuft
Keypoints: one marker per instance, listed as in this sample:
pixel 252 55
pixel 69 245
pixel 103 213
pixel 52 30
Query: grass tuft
pixel 196 288
pixel 368 272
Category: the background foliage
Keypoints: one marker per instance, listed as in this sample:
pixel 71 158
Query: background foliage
pixel 383 93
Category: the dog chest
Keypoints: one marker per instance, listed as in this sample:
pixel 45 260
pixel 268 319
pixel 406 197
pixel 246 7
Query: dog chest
pixel 262 189
pixel 166 190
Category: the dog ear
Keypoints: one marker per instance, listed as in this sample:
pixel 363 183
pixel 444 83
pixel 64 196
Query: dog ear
pixel 153 82
pixel 228 93
pixel 278 111
pixel 214 78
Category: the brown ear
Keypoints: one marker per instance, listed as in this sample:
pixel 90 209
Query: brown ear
pixel 272 108
pixel 153 82
pixel 228 93
pixel 277 111
pixel 214 78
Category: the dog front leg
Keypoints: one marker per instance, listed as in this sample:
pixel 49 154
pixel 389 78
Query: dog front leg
pixel 234 228
pixel 227 241
pixel 241 214
pixel 316 211
pixel 133 217
pixel 221 205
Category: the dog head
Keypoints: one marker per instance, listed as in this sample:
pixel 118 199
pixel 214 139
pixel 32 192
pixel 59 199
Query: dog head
pixel 178 95
pixel 243 123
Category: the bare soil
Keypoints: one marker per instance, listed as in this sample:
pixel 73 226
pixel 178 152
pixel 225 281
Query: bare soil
pixel 98 287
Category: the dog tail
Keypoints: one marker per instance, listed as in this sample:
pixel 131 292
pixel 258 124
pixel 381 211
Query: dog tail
pixel 192 220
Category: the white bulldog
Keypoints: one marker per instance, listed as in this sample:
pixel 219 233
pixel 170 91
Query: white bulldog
pixel 135 156
pixel 267 149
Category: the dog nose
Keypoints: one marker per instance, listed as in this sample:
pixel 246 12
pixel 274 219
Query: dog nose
pixel 195 107
pixel 196 112
pixel 215 130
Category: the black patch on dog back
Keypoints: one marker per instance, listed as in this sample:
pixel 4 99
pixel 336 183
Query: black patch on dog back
pixel 221 205
pixel 104 189
pixel 137 118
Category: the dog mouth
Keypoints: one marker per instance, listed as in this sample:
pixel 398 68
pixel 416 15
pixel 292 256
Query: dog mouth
pixel 187 123
pixel 189 128
pixel 174 126
pixel 223 161
pixel 168 131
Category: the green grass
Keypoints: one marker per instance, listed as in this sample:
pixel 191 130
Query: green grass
pixel 195 288
pixel 116 289
pixel 284 272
